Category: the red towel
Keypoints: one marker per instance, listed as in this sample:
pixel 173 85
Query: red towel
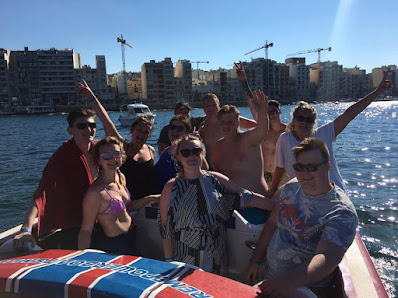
pixel 65 180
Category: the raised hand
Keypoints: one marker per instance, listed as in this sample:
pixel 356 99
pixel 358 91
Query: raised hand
pixel 85 89
pixel 385 83
pixel 240 71
pixel 260 101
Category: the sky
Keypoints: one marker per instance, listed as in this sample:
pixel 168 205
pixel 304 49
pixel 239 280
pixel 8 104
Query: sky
pixel 361 32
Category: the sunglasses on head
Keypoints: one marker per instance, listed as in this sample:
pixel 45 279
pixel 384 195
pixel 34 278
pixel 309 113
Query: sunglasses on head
pixel 311 167
pixel 108 156
pixel 187 152
pixel 300 118
pixel 179 128
pixel 272 112
pixel 82 126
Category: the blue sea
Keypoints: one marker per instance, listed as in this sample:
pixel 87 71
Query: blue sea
pixel 366 153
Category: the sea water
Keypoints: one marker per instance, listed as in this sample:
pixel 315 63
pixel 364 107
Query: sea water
pixel 366 153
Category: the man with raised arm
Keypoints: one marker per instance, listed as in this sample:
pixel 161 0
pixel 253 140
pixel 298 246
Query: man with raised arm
pixel 308 231
pixel 65 179
pixel 210 130
pixel 276 127
pixel 238 154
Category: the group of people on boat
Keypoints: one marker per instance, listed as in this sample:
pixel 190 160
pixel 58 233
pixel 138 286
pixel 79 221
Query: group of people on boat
pixel 207 168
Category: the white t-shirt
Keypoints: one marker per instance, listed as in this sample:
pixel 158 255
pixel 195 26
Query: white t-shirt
pixel 284 157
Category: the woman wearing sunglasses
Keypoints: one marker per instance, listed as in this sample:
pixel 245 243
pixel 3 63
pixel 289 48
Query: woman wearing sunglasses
pixel 302 126
pixel 139 164
pixel 166 168
pixel 195 206
pixel 106 201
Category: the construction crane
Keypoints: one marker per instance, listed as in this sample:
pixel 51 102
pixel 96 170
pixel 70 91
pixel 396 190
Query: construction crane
pixel 197 66
pixel 197 63
pixel 319 50
pixel 123 43
pixel 265 47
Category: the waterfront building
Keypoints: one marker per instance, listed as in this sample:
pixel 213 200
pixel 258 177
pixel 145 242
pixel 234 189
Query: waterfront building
pixel 4 77
pixel 183 81
pixel 326 76
pixel 157 79
pixel 48 77
pixel 300 74
pixel 377 75
pixel 353 83
pixel 271 77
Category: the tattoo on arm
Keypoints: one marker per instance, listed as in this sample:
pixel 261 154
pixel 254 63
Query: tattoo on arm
pixel 247 90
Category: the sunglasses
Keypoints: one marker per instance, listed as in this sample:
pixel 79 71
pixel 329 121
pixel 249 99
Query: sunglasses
pixel 300 118
pixel 272 112
pixel 179 128
pixel 311 167
pixel 109 156
pixel 82 126
pixel 187 152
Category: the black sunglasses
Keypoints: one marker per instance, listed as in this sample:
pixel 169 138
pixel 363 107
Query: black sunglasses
pixel 311 167
pixel 300 118
pixel 273 112
pixel 187 152
pixel 108 156
pixel 82 126
pixel 179 128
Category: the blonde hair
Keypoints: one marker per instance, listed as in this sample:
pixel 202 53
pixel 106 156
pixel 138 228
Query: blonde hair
pixel 175 149
pixel 302 106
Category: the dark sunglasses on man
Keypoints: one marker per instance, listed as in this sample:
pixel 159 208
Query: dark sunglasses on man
pixel 311 167
pixel 84 125
pixel 194 151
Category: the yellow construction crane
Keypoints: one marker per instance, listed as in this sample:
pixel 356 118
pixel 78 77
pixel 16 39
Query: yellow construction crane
pixel 265 47
pixel 319 50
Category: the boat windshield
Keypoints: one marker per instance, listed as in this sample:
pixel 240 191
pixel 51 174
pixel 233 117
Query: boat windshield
pixel 141 110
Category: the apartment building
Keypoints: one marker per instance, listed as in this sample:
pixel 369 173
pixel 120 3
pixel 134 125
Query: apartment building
pixel 300 74
pixel 183 81
pixel 4 86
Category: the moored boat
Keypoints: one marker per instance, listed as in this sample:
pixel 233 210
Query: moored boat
pixel 129 113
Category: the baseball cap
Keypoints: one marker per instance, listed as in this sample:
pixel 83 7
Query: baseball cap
pixel 182 105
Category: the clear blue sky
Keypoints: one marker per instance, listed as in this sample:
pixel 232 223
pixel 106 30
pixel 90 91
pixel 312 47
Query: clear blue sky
pixel 360 32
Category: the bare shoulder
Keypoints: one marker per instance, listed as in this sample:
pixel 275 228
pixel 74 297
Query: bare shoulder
pixel 153 151
pixel 219 176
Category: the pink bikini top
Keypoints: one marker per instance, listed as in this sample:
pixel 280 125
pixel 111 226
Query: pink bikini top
pixel 115 206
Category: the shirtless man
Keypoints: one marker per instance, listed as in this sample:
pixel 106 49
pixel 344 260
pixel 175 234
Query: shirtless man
pixel 210 130
pixel 238 154
pixel 276 127
pixel 66 178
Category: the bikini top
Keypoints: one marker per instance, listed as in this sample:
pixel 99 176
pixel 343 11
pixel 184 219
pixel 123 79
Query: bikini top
pixel 115 206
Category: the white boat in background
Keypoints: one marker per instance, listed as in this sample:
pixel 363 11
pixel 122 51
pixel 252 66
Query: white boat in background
pixel 129 113
pixel 43 109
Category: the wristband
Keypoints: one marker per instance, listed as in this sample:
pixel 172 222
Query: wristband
pixel 274 187
pixel 168 259
pixel 255 262
pixel 26 230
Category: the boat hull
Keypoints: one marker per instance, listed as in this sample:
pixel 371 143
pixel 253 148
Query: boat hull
pixel 127 120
